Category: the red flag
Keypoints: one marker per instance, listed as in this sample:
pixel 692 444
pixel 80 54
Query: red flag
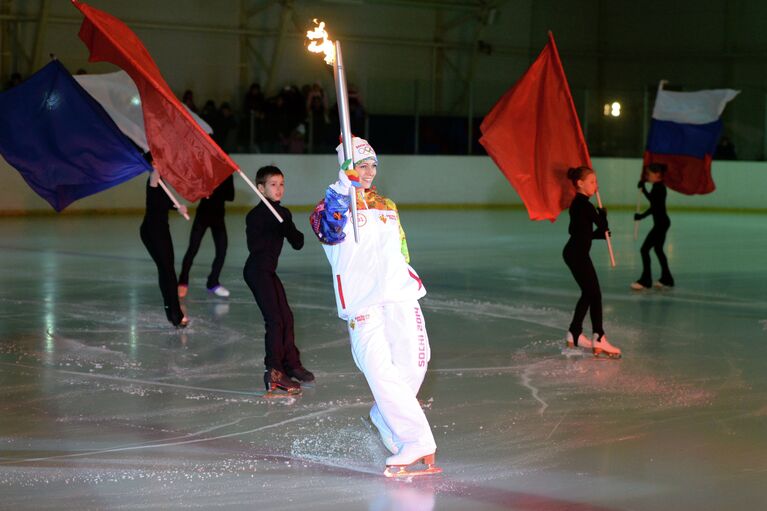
pixel 183 153
pixel 534 136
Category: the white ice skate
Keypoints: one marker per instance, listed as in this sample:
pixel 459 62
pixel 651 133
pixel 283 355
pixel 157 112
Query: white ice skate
pixel 602 347
pixel 636 286
pixel 583 342
pixel 400 464
pixel 219 291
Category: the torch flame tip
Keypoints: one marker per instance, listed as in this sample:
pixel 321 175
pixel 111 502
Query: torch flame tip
pixel 320 43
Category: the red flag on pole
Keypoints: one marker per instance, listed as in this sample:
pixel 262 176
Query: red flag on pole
pixel 534 136
pixel 182 152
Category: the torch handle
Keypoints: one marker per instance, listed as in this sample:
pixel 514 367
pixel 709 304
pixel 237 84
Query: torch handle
pixel 346 131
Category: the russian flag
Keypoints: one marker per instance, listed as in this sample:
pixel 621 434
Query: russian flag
pixel 684 132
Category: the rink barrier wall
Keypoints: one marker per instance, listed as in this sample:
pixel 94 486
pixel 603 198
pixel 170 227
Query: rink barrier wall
pixel 424 182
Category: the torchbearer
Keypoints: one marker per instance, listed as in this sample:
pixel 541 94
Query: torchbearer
pixel 377 294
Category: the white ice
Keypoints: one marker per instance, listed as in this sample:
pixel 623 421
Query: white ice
pixel 104 406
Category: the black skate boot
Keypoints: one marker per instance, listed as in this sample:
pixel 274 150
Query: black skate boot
pixel 276 380
pixel 301 374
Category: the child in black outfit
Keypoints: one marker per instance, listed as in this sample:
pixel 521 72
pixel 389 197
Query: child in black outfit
pixel 583 215
pixel 155 234
pixel 265 235
pixel 210 214
pixel 654 173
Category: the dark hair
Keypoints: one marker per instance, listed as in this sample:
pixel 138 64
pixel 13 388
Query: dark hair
pixel 575 174
pixel 656 168
pixel 265 173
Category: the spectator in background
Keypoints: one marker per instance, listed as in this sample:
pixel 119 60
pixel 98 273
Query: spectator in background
pixel 318 119
pixel 253 118
pixel 357 112
pixel 224 128
pixel 13 81
pixel 188 100
pixel 725 149
pixel 209 113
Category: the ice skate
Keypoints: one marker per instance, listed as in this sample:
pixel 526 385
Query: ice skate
pixel 663 285
pixel 301 374
pixel 183 289
pixel 219 291
pixel 279 385
pixel 637 286
pixel 401 464
pixel 602 347
pixel 583 342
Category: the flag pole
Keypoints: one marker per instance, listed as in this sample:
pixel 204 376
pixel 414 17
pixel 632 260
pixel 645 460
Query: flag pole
pixel 172 198
pixel 607 235
pixel 638 210
pixel 260 196
pixel 346 132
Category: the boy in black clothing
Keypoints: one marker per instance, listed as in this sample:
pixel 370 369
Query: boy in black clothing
pixel 210 214
pixel 265 235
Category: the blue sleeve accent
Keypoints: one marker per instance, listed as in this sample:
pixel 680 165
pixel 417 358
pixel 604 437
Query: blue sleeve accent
pixel 329 218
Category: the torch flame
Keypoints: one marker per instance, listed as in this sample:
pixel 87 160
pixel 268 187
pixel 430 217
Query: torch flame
pixel 320 42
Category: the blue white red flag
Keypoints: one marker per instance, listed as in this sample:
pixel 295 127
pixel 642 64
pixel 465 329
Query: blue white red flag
pixel 61 140
pixel 119 96
pixel 683 135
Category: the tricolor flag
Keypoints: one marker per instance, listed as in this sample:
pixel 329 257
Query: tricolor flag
pixel 683 135
pixel 182 152
pixel 61 140
pixel 119 96
pixel 533 134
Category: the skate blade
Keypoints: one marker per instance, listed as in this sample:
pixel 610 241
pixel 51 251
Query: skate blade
pixel 401 471
pixel 604 354
pixel 280 394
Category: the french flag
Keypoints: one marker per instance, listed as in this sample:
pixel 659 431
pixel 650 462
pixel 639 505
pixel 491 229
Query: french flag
pixel 684 132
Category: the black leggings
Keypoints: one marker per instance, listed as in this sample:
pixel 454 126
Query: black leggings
pixel 218 231
pixel 158 243
pixel 281 351
pixel 585 275
pixel 654 241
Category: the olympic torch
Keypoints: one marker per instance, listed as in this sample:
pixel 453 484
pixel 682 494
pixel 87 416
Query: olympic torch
pixel 320 43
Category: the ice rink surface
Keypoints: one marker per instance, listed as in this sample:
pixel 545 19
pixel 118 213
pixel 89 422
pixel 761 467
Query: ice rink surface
pixel 103 405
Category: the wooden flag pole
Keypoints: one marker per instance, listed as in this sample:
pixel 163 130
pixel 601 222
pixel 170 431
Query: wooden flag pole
pixel 172 198
pixel 607 235
pixel 639 206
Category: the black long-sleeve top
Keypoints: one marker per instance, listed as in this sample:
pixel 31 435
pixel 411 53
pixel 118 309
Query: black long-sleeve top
pixel 657 198
pixel 157 205
pixel 214 204
pixel 265 235
pixel 583 215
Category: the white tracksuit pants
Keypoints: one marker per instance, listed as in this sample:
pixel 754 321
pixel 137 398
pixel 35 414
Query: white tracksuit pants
pixel 391 348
